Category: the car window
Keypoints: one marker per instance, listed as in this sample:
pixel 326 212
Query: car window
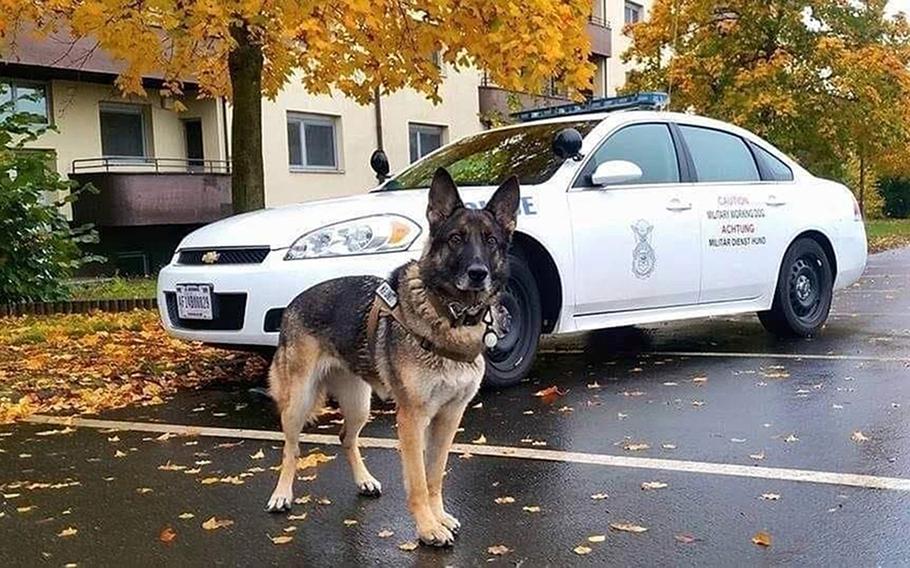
pixel 489 158
pixel 775 169
pixel 649 146
pixel 719 156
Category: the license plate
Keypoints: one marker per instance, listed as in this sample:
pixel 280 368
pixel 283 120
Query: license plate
pixel 194 301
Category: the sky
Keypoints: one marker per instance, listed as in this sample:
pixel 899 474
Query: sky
pixel 895 6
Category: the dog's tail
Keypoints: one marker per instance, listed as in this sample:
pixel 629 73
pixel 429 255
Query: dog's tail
pixel 296 378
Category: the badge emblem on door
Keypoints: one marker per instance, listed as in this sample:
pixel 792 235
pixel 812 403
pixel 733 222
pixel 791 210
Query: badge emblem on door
pixel 643 258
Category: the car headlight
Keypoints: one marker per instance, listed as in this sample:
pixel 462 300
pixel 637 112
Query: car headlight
pixel 368 235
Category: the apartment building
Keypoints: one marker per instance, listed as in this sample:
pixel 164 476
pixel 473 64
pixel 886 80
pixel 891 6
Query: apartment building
pixel 161 173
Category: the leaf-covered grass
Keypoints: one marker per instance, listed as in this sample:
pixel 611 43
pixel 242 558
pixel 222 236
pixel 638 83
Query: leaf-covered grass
pixel 116 288
pixel 886 234
pixel 84 363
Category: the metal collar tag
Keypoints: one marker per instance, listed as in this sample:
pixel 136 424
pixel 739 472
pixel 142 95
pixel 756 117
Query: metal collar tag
pixel 388 295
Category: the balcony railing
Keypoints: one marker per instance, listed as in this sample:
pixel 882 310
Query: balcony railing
pixel 598 21
pixel 138 165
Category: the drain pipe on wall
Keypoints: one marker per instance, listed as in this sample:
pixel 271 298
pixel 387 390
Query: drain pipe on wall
pixel 224 131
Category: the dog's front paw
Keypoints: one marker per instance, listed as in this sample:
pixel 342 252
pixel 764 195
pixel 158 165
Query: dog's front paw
pixel 369 487
pixel 279 502
pixel 436 535
pixel 450 522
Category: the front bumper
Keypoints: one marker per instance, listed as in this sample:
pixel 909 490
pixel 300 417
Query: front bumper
pixel 254 289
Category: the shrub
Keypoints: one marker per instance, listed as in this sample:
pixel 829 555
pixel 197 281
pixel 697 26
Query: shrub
pixel 38 248
pixel 896 193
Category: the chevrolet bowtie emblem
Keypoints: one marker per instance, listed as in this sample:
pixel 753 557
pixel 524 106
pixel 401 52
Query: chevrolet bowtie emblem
pixel 211 257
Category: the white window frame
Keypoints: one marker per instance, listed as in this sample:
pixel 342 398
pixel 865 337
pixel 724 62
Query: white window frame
pixel 427 128
pixel 12 84
pixel 302 118
pixel 635 7
pixel 135 109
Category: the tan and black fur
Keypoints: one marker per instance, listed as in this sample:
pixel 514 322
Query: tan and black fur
pixel 325 350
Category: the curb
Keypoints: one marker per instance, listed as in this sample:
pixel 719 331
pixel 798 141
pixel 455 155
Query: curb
pixel 77 307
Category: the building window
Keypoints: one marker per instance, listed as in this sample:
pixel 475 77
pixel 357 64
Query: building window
pixel 124 131
pixel 312 141
pixel 633 13
pixel 26 97
pixel 424 138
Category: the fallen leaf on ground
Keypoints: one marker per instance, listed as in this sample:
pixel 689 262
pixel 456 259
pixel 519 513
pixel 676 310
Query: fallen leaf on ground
pixel 599 496
pixel 385 533
pixel 770 496
pixel 668 446
pixel 760 456
pixel 480 440
pixel 171 467
pixel 408 546
pixel 68 531
pixel 628 527
pixel 504 500
pixel 498 549
pixel 213 523
pixel 300 517
pixel 597 538
pixel 531 508
pixel 685 538
pixel 859 437
pixel 649 485
pixel 762 538
pixel 349 522
pixel 119 454
pixel 581 550
pixel 258 455
pixel 700 380
pixel 313 460
pixel 282 539
pixel 550 392
pixel 478 406
pixel 167 535
pixel 324 501
pixel 186 516
pixel 635 446
pixel 143 490
pixel 791 438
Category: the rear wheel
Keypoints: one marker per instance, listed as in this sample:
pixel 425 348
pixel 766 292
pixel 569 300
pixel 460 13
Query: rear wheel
pixel 520 317
pixel 804 290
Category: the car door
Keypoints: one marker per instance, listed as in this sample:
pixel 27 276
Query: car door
pixel 745 216
pixel 636 244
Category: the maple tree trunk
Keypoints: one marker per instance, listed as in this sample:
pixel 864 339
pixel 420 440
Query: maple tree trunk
pixel 247 178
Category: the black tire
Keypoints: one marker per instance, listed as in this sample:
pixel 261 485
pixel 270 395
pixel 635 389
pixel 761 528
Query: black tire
pixel 805 287
pixel 511 359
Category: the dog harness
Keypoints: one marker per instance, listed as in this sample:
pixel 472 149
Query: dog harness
pixel 386 304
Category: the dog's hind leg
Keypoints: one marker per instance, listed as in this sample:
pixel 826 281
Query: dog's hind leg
pixel 296 385
pixel 353 396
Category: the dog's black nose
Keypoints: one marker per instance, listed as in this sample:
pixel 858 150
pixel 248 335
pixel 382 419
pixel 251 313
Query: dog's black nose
pixel 477 273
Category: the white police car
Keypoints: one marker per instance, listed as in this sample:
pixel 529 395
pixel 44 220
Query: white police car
pixel 625 218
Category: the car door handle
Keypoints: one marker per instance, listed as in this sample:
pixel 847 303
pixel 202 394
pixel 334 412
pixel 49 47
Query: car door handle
pixel 677 205
pixel 775 201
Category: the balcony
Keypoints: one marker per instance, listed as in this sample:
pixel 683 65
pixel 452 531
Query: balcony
pixel 152 191
pixel 601 36
pixel 497 104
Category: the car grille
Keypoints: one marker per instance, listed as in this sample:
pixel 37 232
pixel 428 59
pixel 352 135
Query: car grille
pixel 272 322
pixel 223 256
pixel 227 309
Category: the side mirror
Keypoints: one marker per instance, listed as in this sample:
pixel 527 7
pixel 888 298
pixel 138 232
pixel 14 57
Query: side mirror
pixel 567 144
pixel 380 164
pixel 615 172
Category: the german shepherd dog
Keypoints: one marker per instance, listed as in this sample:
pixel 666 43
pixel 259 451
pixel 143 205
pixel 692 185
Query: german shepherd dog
pixel 341 339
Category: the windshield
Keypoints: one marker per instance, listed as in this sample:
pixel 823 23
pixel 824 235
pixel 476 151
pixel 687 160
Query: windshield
pixel 489 158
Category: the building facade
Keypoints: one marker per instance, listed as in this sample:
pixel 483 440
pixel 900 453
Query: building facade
pixel 161 173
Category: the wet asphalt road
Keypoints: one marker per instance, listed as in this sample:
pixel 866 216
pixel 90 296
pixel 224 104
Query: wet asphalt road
pixel 719 391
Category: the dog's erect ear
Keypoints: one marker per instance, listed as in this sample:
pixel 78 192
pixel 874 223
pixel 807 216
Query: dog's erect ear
pixel 444 198
pixel 504 204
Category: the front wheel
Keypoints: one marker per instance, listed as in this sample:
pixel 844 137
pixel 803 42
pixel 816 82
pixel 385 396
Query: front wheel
pixel 520 318
pixel 804 290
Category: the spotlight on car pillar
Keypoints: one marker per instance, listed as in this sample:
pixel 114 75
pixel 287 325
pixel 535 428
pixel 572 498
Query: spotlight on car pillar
pixel 567 144
pixel 380 164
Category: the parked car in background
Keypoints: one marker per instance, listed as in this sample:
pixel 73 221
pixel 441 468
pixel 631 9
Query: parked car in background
pixel 626 217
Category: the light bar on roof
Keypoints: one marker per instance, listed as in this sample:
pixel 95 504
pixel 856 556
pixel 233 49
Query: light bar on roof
pixel 638 101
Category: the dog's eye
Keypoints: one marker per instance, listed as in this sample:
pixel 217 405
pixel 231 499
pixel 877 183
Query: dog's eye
pixel 455 239
pixel 491 240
